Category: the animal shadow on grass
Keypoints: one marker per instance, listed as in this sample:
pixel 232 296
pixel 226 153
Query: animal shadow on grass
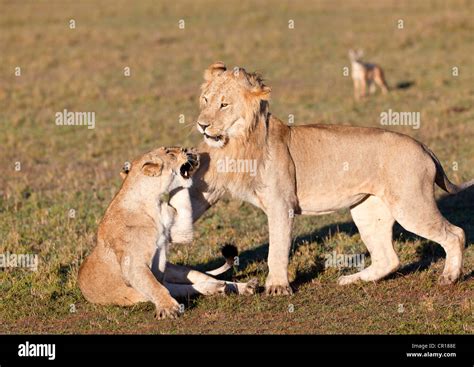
pixel 259 254
pixel 457 209
pixel 405 84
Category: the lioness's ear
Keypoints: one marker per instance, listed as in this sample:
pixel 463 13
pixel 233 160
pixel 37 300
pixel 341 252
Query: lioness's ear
pixel 152 169
pixel 214 70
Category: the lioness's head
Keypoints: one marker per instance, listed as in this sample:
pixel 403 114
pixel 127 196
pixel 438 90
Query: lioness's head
pixel 230 102
pixel 163 169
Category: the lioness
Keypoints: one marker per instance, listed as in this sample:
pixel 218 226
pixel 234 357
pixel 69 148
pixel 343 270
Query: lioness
pixel 365 74
pixel 381 176
pixel 128 265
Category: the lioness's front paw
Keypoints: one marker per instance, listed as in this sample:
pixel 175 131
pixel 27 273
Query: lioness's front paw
pixel 278 290
pixel 169 309
pixel 221 288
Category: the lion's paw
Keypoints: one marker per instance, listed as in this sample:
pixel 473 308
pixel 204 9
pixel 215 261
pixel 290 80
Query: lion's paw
pixel 278 290
pixel 445 280
pixel 348 279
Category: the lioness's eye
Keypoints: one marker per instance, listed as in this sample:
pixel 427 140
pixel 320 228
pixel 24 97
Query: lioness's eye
pixel 205 99
pixel 223 105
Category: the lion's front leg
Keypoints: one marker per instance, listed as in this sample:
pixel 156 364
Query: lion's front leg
pixel 280 223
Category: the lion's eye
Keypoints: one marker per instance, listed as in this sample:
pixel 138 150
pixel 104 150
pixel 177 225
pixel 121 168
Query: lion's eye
pixel 224 105
pixel 205 99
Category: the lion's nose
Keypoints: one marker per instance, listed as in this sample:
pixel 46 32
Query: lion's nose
pixel 203 126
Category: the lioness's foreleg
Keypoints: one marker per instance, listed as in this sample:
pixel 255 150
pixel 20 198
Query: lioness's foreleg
pixel 177 274
pixel 138 275
pixel 182 228
pixel 199 194
pixel 201 288
pixel 375 224
pixel 184 275
pixel 209 288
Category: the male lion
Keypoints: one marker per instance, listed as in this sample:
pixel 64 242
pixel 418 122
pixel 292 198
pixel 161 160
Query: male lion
pixel 128 265
pixel 381 176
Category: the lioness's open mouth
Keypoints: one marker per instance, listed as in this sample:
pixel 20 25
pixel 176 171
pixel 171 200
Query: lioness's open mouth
pixel 188 168
pixel 185 170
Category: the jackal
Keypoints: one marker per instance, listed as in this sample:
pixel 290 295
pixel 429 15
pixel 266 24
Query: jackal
pixel 365 74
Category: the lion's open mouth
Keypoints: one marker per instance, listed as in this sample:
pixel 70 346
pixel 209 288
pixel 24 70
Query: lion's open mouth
pixel 215 138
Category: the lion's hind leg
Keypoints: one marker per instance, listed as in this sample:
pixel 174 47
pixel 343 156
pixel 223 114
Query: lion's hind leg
pixel 375 224
pixel 426 221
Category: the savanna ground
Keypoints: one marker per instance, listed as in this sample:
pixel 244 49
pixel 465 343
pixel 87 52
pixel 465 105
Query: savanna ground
pixel 72 167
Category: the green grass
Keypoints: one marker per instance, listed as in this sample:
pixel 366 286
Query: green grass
pixel 65 168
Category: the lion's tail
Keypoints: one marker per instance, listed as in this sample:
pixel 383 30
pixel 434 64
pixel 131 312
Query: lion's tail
pixel 229 252
pixel 442 180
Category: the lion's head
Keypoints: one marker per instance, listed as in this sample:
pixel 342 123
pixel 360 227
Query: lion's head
pixel 230 102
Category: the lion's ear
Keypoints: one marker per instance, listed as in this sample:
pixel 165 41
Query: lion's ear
pixel 214 70
pixel 256 85
pixel 152 169
pixel 262 93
